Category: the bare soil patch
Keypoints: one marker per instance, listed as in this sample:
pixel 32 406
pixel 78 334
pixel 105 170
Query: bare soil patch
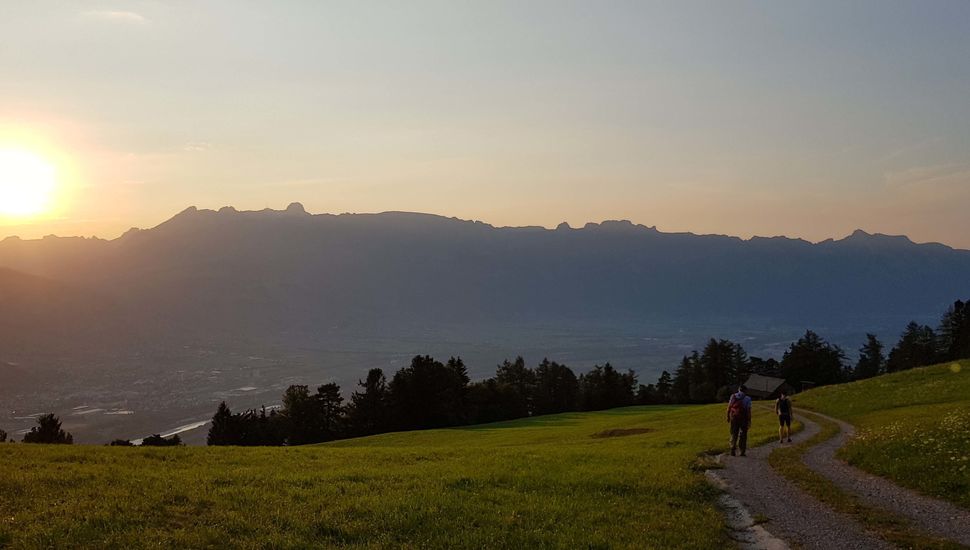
pixel 620 432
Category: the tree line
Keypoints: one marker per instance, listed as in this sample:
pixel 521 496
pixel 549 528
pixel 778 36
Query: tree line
pixel 48 430
pixel 426 394
pixel 431 394
pixel 712 374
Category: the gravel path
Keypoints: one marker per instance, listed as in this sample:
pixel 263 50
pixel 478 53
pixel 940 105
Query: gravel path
pixel 792 515
pixel 934 516
pixel 742 528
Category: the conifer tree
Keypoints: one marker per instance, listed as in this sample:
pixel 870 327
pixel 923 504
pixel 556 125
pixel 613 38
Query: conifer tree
pixel 368 412
pixel 917 347
pixel 872 361
pixel 48 430
pixel 222 430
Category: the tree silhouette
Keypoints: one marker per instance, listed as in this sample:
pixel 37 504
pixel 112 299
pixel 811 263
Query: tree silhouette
pixel 300 416
pixel 916 348
pixel 491 401
pixel 3 436
pixel 224 429
pixel 156 440
pixel 457 387
pixel 457 367
pixel 48 430
pixel 329 411
pixel 263 428
pixel 872 361
pixel 664 387
pixel 680 390
pixel 722 365
pixel 812 359
pixel 428 394
pixel 556 388
pixel 604 387
pixel 765 367
pixel 954 333
pixel 522 380
pixel 247 428
pixel 647 395
pixel 369 407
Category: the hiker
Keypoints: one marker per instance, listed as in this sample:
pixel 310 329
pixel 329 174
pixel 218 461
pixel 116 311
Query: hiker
pixel 783 410
pixel 739 417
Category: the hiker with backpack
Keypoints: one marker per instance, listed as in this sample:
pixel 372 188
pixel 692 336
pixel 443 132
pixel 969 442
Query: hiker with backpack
pixel 739 417
pixel 783 410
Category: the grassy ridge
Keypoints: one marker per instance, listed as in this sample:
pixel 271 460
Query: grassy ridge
pixel 912 427
pixel 541 482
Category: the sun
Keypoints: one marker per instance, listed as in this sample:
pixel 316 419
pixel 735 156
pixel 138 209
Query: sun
pixel 27 183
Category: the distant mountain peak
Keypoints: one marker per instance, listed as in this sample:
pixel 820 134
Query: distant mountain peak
pixel 618 226
pixel 296 208
pixel 862 237
pixel 779 239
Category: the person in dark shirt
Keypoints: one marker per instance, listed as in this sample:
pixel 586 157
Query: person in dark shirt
pixel 783 410
pixel 739 417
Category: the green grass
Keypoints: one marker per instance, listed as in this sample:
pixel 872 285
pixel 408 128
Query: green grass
pixel 535 483
pixel 912 427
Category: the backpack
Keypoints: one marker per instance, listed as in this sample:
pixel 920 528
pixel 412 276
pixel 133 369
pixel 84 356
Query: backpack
pixel 784 406
pixel 736 408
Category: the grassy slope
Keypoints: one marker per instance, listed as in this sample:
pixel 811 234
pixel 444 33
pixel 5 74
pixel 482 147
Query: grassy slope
pixel 542 482
pixel 913 427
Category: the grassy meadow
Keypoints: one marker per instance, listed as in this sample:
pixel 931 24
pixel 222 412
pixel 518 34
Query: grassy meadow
pixel 912 427
pixel 544 482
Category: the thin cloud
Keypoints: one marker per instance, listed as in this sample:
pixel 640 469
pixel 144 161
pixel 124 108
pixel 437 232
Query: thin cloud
pixel 301 182
pixel 910 148
pixel 197 146
pixel 114 16
pixel 934 176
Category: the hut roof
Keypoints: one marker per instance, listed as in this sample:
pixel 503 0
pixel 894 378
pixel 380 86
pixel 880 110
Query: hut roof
pixel 758 384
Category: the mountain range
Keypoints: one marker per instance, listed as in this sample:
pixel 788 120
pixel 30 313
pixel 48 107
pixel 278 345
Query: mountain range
pixel 291 271
pixel 264 281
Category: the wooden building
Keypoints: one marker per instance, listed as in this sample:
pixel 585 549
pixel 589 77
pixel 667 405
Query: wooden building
pixel 767 387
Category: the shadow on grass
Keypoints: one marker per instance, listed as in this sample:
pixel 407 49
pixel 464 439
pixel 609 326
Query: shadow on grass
pixel 566 419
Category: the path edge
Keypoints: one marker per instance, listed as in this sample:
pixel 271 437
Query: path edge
pixel 741 526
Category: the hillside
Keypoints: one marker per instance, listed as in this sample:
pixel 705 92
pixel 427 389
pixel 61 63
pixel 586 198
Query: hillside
pixel 563 481
pixel 36 312
pixel 281 270
pixel 913 427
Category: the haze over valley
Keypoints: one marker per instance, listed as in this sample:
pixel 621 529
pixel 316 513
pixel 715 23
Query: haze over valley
pixel 148 332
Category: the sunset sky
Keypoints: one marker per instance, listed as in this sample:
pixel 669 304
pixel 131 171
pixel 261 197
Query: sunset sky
pixel 805 119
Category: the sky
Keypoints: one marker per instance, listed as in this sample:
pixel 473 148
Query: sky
pixel 807 119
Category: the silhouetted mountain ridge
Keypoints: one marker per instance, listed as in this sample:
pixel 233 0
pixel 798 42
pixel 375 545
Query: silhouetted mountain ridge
pixel 287 271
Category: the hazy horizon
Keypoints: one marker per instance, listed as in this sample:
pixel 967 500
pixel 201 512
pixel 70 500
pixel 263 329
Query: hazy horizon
pixel 802 119
pixel 112 236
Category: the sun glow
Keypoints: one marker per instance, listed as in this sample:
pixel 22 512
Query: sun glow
pixel 27 183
